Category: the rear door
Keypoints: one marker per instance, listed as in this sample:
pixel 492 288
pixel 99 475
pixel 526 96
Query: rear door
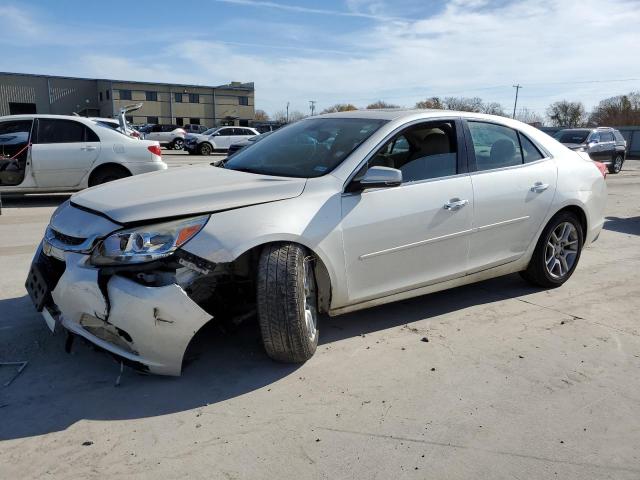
pixel 513 187
pixel 154 134
pixel 62 152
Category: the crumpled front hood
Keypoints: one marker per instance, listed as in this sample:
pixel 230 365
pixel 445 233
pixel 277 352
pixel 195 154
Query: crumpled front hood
pixel 184 191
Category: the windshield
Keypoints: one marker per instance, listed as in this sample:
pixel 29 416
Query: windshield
pixel 210 131
pixel 309 148
pixel 572 136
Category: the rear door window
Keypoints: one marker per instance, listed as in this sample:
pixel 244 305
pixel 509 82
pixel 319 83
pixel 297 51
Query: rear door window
pixel 529 150
pixel 606 137
pixel 495 146
pixel 52 130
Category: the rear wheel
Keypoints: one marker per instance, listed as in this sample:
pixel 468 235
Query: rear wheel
pixel 557 253
pixel 177 144
pixel 616 164
pixel 287 302
pixel 108 174
pixel 205 149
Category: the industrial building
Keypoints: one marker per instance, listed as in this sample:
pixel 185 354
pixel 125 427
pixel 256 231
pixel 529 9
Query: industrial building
pixel 231 104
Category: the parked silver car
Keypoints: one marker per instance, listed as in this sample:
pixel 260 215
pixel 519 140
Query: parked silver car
pixel 603 144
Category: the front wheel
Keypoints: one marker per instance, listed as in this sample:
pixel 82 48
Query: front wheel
pixel 616 165
pixel 205 149
pixel 287 302
pixel 557 253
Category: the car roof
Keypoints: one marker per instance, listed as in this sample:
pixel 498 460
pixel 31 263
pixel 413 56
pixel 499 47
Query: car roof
pixel 392 114
pixel 37 115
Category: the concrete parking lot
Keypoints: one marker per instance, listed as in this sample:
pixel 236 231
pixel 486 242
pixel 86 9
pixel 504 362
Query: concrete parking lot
pixel 487 381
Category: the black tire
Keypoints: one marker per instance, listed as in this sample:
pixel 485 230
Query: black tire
pixel 616 163
pixel 177 144
pixel 108 174
pixel 205 149
pixel 282 298
pixel 537 271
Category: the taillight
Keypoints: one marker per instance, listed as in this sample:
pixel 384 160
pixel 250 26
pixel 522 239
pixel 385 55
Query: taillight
pixel 602 167
pixel 155 149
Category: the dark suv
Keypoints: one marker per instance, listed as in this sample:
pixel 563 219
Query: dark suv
pixel 603 144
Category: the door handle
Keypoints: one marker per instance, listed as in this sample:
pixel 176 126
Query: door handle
pixel 88 148
pixel 455 204
pixel 539 187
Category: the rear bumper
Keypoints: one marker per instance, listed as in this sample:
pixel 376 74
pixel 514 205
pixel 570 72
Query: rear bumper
pixel 149 326
pixel 146 167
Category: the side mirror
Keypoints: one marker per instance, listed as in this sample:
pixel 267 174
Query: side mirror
pixel 381 177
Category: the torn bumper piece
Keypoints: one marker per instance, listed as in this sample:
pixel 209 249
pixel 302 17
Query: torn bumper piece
pixel 151 326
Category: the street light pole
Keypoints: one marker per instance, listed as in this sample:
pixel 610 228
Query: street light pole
pixel 515 104
pixel 287 112
pixel 312 106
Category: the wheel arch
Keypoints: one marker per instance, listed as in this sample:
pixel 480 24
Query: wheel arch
pixel 323 276
pixel 579 212
pixel 104 167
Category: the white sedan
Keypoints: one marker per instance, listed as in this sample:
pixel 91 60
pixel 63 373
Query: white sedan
pixel 44 153
pixel 332 214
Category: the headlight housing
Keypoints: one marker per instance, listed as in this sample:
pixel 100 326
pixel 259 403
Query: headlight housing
pixel 146 243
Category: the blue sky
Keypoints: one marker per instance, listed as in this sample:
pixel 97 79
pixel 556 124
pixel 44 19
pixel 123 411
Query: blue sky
pixel 334 51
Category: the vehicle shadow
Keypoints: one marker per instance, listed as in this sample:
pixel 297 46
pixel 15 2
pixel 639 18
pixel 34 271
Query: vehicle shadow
pixel 57 390
pixel 629 225
pixel 33 200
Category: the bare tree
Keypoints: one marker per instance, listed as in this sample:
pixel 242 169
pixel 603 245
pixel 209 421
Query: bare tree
pixel 295 116
pixel 280 116
pixel 340 107
pixel 529 116
pixel 566 114
pixel 261 116
pixel 430 103
pixel 493 108
pixel 464 104
pixel 381 104
pixel 617 111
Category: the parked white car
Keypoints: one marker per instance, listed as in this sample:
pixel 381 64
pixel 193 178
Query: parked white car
pixel 217 139
pixel 44 153
pixel 170 136
pixel 332 214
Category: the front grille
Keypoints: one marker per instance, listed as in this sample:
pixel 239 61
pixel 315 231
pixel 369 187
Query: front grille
pixel 66 239
pixel 51 269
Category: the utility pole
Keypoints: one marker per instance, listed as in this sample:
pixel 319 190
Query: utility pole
pixel 515 104
pixel 312 106
pixel 287 112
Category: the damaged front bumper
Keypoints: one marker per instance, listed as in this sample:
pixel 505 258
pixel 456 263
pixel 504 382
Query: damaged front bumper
pixel 150 326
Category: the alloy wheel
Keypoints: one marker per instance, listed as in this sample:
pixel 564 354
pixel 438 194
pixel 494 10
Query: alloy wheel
pixel 561 250
pixel 617 163
pixel 310 299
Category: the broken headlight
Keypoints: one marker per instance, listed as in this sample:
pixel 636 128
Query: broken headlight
pixel 146 243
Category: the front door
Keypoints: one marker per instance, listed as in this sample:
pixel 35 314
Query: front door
pixel 14 151
pixel 62 152
pixel 513 187
pixel 404 237
pixel 224 138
